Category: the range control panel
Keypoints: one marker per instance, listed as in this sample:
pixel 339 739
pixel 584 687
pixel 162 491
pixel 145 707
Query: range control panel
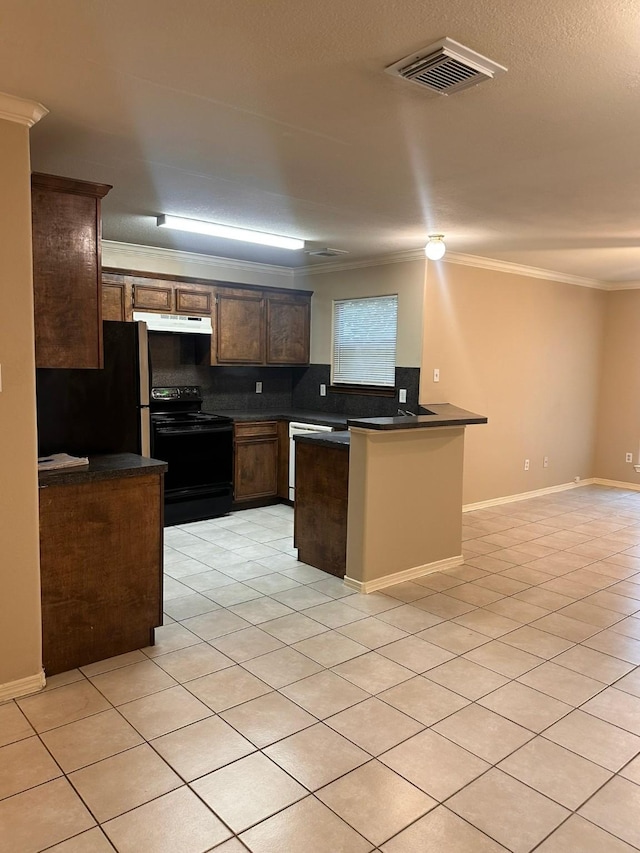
pixel 185 393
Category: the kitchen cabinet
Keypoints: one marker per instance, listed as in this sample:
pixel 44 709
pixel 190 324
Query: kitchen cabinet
pixel 263 327
pixel 152 296
pixel 120 293
pixel 250 325
pixel 238 328
pixel 288 319
pixel 255 461
pixel 66 225
pixel 190 300
pixel 167 297
pixel 101 564
pixel 117 303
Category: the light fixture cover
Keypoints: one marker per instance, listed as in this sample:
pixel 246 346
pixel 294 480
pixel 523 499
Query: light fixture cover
pixel 436 247
pixel 229 232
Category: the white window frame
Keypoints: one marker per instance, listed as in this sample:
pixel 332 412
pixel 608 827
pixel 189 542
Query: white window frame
pixel 363 377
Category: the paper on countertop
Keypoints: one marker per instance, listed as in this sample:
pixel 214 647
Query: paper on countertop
pixel 61 460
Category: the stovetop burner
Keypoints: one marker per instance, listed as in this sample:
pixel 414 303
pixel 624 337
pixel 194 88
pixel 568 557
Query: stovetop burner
pixel 181 405
pixel 187 417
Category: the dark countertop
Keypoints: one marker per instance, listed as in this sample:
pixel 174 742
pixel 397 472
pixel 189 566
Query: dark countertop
pixel 340 439
pixel 431 415
pixel 109 467
pixel 300 415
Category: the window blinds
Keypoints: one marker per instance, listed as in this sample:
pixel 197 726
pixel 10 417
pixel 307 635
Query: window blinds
pixel 364 340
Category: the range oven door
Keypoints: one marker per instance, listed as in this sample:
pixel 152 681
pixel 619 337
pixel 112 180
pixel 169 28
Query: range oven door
pixel 200 460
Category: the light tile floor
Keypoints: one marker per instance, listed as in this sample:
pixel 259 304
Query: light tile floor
pixel 492 707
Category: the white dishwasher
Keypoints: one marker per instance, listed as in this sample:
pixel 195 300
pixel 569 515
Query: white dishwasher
pixel 299 429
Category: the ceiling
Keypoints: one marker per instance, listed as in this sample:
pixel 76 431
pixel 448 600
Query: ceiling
pixel 277 115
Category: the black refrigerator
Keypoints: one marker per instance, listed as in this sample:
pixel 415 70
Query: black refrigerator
pixel 89 412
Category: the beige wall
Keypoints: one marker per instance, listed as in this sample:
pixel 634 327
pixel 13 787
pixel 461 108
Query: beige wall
pixel 20 637
pixel 405 493
pixel 619 403
pixel 526 353
pixel 406 279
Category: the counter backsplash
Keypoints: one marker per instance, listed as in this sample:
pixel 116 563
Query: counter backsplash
pixel 181 360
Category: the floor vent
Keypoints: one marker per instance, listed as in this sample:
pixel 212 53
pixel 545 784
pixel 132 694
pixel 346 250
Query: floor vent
pixel 445 67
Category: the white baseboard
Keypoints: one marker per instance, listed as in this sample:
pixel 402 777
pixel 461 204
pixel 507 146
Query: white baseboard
pixel 536 493
pixel 617 484
pixel 22 687
pixel 405 575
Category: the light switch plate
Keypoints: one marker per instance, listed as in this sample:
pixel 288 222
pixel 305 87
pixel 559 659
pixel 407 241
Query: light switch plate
pixel 402 395
pixel 323 390
pixel 436 374
pixel 258 387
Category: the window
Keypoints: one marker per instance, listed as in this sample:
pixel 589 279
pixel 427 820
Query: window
pixel 364 341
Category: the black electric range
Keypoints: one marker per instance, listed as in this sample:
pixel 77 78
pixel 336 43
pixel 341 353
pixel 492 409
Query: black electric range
pixel 198 447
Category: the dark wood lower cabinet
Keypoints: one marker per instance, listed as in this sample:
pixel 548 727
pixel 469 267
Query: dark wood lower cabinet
pixel 255 469
pixel 320 513
pixel 101 569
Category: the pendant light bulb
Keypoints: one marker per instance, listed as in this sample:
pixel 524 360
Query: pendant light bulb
pixel 436 247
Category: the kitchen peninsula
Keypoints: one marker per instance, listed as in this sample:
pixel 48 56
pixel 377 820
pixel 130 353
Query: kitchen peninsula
pixel 403 516
pixel 101 559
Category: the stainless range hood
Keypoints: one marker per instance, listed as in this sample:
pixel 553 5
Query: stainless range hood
pixel 174 323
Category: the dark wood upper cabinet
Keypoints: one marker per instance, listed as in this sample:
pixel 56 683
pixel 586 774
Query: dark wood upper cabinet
pixel 288 322
pixel 261 327
pixel 251 325
pixel 153 296
pixel 192 301
pixel 238 336
pixel 66 225
pixel 116 298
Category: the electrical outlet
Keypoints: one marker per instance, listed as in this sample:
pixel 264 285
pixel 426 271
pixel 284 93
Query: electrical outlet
pixel 545 462
pixel 402 395
pixel 526 464
pixel 258 387
pixel 436 374
pixel 323 390
pixel 628 457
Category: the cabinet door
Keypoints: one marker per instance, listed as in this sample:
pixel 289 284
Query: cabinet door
pixel 116 301
pixel 101 569
pixel 256 469
pixel 192 301
pixel 255 465
pixel 239 329
pixel 66 272
pixel 288 330
pixel 153 296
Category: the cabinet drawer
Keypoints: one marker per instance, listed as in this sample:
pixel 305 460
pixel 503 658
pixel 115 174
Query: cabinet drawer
pixel 259 429
pixel 192 301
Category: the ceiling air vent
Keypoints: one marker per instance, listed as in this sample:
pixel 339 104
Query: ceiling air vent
pixel 445 67
pixel 325 252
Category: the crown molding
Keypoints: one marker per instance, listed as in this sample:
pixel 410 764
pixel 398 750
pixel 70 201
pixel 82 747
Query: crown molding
pixel 379 260
pixel 156 253
pixel 21 110
pixel 457 258
pixel 521 269
pixel 623 285
pixel 172 255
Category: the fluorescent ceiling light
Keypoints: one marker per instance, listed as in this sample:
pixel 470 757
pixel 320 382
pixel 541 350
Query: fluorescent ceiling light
pixel 212 229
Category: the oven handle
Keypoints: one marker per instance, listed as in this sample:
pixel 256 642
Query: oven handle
pixel 206 431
